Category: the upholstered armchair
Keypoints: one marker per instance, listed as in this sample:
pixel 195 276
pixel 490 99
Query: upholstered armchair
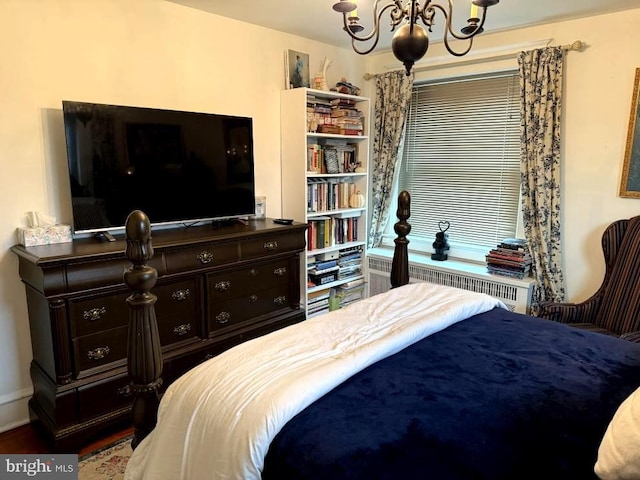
pixel 615 308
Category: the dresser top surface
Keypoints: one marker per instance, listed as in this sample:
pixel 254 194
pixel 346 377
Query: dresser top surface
pixel 161 239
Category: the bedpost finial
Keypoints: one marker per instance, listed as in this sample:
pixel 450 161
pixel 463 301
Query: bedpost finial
pixel 138 233
pixel 140 277
pixel 404 205
pixel 402 227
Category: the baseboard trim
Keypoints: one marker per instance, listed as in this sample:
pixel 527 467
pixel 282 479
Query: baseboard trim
pixel 14 409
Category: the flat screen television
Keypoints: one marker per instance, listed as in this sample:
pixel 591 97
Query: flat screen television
pixel 177 167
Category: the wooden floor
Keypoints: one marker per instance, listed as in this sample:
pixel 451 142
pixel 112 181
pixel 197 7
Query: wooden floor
pixel 28 439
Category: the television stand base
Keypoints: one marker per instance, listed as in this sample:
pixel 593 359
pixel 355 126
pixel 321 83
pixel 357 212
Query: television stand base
pixel 227 222
pixel 105 236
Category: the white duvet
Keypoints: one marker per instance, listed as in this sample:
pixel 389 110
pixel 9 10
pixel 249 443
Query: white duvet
pixel 217 420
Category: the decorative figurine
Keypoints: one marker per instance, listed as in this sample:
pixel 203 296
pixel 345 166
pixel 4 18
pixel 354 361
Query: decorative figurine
pixel 440 245
pixel 320 78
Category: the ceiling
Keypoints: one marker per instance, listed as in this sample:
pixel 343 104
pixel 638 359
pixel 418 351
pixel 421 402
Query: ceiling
pixel 315 19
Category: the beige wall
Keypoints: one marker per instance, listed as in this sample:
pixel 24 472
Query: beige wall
pixel 144 53
pixel 159 54
pixel 598 88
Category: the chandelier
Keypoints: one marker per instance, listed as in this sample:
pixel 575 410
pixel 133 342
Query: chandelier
pixel 411 41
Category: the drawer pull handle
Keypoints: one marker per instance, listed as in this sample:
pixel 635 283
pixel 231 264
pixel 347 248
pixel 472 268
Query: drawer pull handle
pixel 182 329
pixel 223 286
pixel 94 313
pixel 253 272
pixel 280 272
pixel 280 300
pixel 125 391
pixel 253 299
pixel 205 257
pixel 223 317
pixel 270 246
pixel 181 295
pixel 99 353
pixel 208 356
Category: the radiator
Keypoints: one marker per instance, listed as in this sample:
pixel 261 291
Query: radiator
pixel 515 293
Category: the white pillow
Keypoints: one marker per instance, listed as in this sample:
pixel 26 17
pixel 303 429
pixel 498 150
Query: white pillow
pixel 619 452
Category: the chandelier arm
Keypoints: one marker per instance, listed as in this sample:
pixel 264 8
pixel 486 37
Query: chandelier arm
pixel 375 32
pixel 453 52
pixel 364 52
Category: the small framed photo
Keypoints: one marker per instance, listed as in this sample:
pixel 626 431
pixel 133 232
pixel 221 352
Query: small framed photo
pixel 296 69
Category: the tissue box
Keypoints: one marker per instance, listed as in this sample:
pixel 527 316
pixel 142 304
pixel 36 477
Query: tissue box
pixel 46 235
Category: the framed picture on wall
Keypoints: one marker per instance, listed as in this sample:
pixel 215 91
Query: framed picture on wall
pixel 630 183
pixel 296 69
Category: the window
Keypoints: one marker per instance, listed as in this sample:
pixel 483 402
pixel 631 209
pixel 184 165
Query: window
pixel 461 162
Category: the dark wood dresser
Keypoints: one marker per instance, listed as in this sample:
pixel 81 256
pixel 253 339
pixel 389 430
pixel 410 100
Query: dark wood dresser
pixel 217 287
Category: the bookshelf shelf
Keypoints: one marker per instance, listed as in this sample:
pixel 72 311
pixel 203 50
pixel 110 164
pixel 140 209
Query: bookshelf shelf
pixel 336 175
pixel 319 179
pixel 335 247
pixel 338 212
pixel 352 138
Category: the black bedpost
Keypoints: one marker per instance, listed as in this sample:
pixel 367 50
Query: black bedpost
pixel 144 358
pixel 400 265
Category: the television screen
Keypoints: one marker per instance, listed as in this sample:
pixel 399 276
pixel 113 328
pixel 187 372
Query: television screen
pixel 177 167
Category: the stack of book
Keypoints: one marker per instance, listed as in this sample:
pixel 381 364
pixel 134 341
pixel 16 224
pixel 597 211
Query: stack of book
pixel 337 116
pixel 318 302
pixel 347 117
pixel 350 292
pixel 510 258
pixel 350 262
pixel 322 272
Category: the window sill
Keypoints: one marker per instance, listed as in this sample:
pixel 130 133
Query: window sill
pixel 452 265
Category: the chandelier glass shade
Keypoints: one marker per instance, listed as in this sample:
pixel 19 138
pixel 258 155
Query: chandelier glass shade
pixel 410 41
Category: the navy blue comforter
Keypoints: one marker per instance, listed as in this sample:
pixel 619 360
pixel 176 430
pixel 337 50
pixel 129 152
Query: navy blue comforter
pixel 497 396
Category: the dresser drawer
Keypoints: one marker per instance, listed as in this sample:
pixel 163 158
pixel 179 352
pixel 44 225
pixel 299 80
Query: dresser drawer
pixel 177 329
pixel 95 314
pixel 222 286
pixel 177 298
pixel 87 275
pixel 271 245
pixel 202 256
pixel 235 311
pixel 100 397
pixel 177 312
pixel 101 348
pixel 98 313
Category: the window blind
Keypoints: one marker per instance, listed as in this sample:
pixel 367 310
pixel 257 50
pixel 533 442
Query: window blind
pixel 461 159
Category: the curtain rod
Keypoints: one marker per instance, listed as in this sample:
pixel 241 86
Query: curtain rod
pixel 495 54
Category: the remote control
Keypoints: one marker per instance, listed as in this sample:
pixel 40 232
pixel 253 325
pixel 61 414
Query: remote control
pixel 283 221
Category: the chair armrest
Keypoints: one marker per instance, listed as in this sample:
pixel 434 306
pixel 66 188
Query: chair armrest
pixel 632 336
pixel 583 312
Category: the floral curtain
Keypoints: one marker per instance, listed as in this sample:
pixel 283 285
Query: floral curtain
pixel 540 109
pixel 392 96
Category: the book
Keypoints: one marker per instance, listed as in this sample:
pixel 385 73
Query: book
pixel 326 264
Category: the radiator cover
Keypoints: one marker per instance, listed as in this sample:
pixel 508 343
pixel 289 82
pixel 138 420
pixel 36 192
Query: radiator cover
pixel 515 293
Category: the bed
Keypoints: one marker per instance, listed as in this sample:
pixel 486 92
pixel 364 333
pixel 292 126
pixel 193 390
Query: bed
pixel 423 381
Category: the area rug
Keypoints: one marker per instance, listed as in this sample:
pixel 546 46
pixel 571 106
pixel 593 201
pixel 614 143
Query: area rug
pixel 106 464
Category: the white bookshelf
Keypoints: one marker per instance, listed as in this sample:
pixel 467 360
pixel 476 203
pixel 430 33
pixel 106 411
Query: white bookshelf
pixel 298 196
